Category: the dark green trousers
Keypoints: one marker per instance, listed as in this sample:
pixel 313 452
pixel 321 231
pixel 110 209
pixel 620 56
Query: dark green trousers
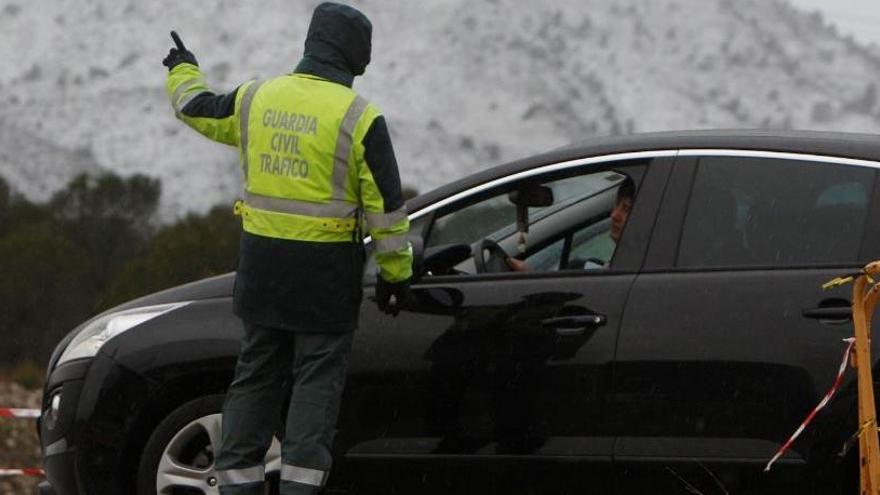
pixel 271 359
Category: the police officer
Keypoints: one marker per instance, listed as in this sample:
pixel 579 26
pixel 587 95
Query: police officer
pixel 316 159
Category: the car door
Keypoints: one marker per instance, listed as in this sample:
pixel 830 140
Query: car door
pixel 728 340
pixel 497 381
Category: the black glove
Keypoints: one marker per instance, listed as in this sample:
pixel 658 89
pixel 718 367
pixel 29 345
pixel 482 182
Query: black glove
pixel 179 54
pixel 400 290
pixel 176 57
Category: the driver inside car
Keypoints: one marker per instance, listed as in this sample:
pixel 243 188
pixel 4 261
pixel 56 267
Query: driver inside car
pixel 619 215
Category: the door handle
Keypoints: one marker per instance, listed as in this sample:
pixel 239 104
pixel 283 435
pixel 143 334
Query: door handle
pixel 576 324
pixel 829 313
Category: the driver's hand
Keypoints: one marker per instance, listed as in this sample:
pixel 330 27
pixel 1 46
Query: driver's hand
pixel 517 265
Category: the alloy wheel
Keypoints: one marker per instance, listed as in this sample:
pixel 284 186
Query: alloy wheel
pixel 187 463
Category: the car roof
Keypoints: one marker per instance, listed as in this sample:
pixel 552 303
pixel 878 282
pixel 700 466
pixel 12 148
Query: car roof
pixel 837 144
pixel 856 146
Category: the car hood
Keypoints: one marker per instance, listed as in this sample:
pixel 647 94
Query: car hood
pixel 218 286
pixel 214 287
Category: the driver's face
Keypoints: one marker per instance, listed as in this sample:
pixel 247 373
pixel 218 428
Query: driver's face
pixel 619 216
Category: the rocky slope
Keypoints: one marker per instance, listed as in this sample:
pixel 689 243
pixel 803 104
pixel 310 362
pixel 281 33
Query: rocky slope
pixel 464 85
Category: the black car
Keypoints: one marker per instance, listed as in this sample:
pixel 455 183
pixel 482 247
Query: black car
pixel 674 359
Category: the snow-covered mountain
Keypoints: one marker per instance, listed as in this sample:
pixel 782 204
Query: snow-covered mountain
pixel 464 84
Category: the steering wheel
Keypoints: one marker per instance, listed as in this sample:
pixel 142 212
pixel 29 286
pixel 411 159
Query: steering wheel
pixel 490 258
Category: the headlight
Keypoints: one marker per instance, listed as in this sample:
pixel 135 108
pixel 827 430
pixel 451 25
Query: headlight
pixel 96 333
pixel 50 416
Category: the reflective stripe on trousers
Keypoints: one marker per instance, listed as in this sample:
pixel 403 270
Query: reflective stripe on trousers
pixel 229 477
pixel 306 476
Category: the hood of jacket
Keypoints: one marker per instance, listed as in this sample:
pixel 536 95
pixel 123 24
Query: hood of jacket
pixel 338 43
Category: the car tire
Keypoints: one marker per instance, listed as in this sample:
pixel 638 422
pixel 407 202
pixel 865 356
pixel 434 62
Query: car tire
pixel 179 455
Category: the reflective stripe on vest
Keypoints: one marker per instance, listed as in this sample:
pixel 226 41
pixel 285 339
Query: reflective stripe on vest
pixel 386 220
pixel 228 477
pixel 257 218
pixel 392 243
pixel 245 112
pixel 343 145
pixel 333 209
pixel 183 88
pixel 306 476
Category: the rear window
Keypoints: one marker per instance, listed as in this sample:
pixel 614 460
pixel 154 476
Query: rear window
pixel 761 211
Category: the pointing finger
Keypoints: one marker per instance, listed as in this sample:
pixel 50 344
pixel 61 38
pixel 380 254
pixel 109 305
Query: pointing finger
pixel 177 41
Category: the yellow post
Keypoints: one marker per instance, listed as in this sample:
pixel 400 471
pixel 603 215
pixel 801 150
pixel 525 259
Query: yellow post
pixel 864 301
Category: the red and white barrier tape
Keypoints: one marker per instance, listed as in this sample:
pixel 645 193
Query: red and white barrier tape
pixel 824 402
pixel 33 472
pixel 6 412
pixel 9 412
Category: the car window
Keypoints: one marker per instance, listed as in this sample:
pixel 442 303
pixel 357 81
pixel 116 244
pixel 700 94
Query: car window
pixel 472 223
pixel 548 258
pixel 574 232
pixel 593 243
pixel 495 217
pixel 750 211
pixel 591 247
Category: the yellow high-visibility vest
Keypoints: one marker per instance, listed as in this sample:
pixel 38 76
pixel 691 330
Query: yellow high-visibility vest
pixel 300 141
